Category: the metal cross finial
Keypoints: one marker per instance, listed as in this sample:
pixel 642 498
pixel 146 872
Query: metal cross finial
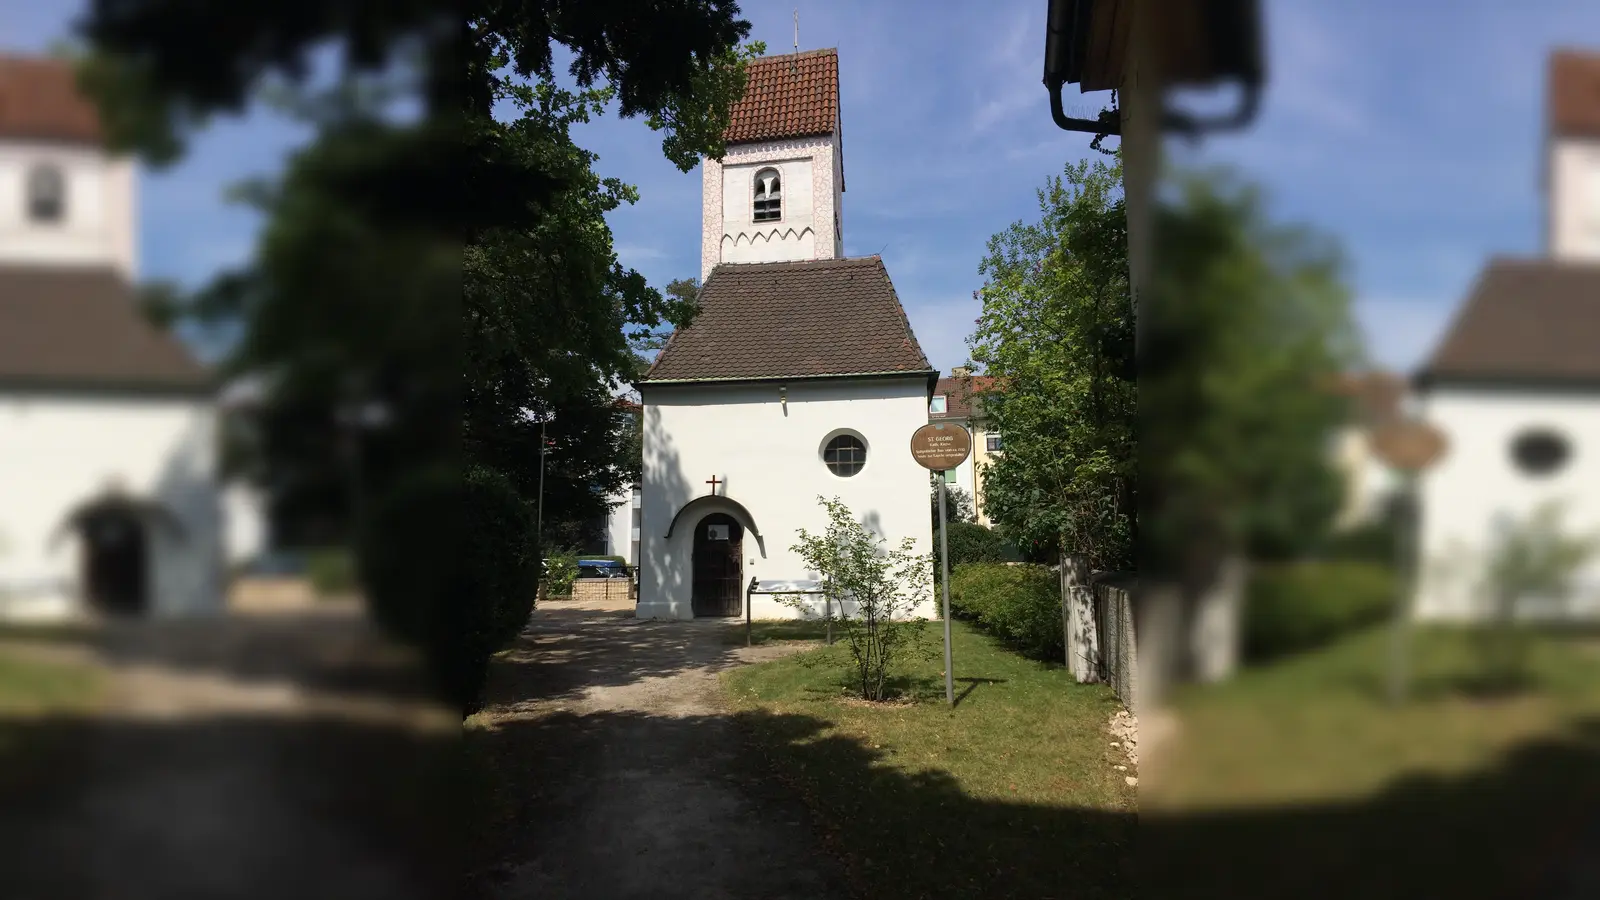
pixel 713 482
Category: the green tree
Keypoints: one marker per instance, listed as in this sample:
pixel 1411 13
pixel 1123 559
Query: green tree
pixel 1057 332
pixel 1250 321
pixel 430 273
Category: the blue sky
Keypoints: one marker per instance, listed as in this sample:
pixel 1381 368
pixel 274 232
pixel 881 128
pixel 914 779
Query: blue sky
pixel 1411 131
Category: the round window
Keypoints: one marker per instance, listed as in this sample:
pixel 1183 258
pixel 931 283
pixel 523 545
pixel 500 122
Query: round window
pixel 1540 451
pixel 844 455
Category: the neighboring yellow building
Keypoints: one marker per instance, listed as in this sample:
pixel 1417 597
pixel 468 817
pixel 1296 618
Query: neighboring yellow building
pixel 957 399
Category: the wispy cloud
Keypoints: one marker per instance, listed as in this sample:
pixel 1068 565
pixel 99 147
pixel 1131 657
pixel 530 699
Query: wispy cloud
pixel 630 254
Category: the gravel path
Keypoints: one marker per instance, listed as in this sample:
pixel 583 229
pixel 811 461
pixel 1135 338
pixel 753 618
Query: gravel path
pixel 644 789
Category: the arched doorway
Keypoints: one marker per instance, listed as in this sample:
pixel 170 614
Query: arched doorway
pixel 116 559
pixel 718 566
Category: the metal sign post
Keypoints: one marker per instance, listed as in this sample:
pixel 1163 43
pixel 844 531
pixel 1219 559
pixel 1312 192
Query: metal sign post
pixel 1410 447
pixel 940 447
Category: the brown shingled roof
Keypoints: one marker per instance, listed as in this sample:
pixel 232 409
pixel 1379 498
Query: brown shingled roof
pixel 788 96
pixel 81 327
pixel 1525 320
pixel 39 99
pixel 794 320
pixel 1574 93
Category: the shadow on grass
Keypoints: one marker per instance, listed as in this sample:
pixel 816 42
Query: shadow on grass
pixel 1529 827
pixel 972 685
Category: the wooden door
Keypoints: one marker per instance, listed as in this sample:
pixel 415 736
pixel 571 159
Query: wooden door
pixel 718 569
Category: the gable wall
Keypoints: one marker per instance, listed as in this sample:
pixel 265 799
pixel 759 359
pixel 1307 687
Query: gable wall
pixel 1476 482
pixel 772 464
pixel 60 450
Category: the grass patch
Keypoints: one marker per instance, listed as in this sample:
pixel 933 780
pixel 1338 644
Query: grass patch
pixel 1011 794
pixel 32 691
pixel 773 631
pixel 1455 793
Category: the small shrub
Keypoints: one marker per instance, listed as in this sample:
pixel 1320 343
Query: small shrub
pixel 1299 606
pixel 1020 604
pixel 1374 542
pixel 884 583
pixel 448 566
pixel 332 570
pixel 560 571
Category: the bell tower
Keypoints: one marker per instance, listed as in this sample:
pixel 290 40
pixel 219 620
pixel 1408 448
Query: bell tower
pixel 775 195
pixel 1572 164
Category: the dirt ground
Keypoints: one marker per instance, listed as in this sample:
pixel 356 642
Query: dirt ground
pixel 240 757
pixel 637 783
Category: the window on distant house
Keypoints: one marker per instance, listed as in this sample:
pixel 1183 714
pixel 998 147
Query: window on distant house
pixel 937 405
pixel 47 194
pixel 769 196
pixel 991 441
pixel 844 455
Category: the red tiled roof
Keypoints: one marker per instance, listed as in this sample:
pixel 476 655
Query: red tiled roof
pixel 960 392
pixel 788 96
pixel 1574 93
pixel 74 326
pixel 1376 395
pixel 39 99
pixel 1531 319
pixel 793 320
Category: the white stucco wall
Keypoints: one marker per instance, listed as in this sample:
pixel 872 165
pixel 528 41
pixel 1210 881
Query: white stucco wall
pixel 99 223
pixel 244 522
pixel 1476 482
pixel 810 170
pixel 58 451
pixel 620 531
pixel 1574 202
pixel 771 462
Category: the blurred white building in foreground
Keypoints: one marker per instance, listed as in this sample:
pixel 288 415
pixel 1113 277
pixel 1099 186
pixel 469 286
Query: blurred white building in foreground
pixel 1515 382
pixel 108 495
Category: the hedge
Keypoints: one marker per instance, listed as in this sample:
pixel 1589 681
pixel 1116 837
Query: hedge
pixel 449 567
pixel 332 570
pixel 971 543
pixel 1020 604
pixel 1299 606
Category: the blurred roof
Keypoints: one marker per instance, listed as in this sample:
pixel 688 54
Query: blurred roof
pixel 1575 93
pixel 1377 394
pixel 1526 320
pixel 808 319
pixel 961 392
pixel 788 96
pixel 78 327
pixel 40 100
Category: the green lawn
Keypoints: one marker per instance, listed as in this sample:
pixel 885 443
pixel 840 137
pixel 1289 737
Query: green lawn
pixel 1012 794
pixel 1457 793
pixel 31 692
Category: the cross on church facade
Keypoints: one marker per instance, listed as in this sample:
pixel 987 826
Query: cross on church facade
pixel 713 481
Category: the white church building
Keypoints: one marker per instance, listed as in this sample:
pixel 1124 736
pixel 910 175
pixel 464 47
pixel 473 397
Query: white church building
pixel 800 377
pixel 108 499
pixel 1515 382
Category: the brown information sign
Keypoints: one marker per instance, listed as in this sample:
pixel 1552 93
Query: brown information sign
pixel 940 446
pixel 1409 445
